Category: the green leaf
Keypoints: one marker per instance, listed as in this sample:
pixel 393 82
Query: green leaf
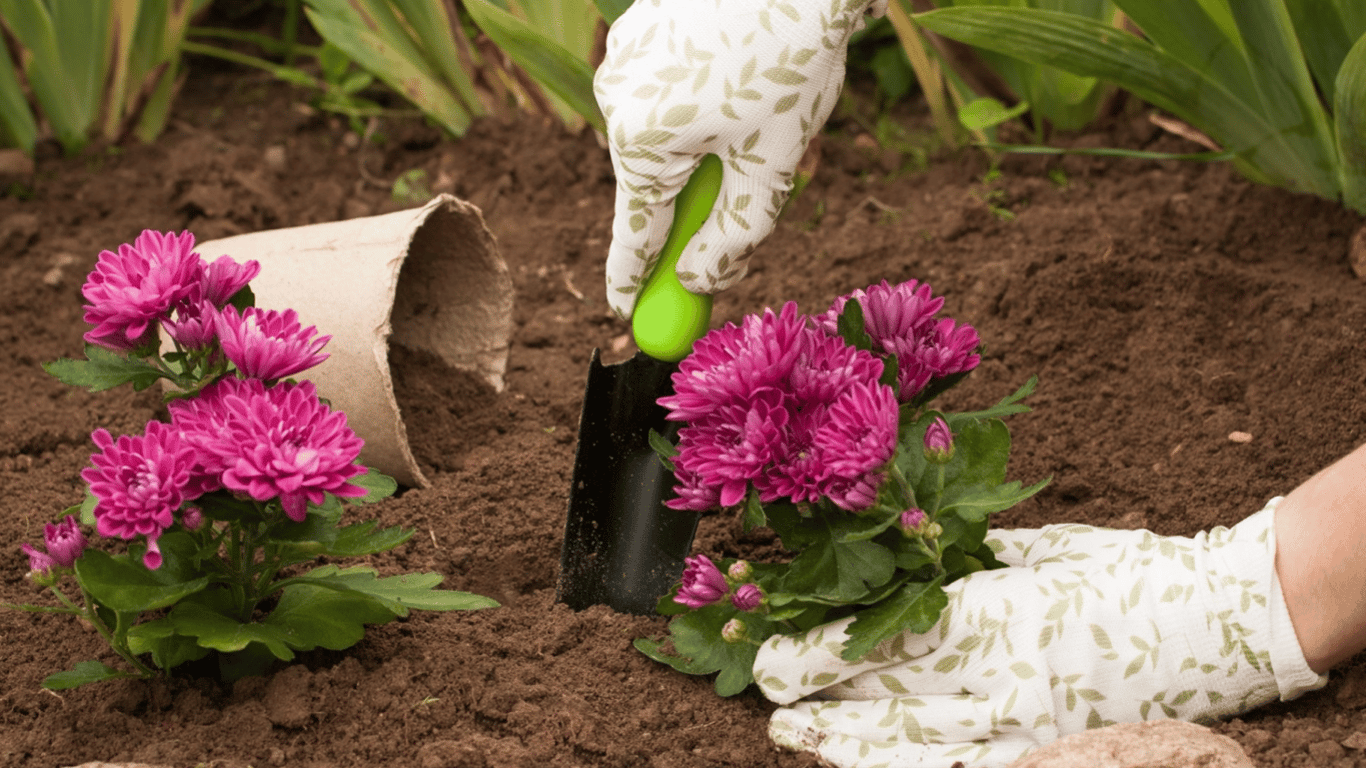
pixel 168 649
pixel 377 484
pixel 1349 107
pixel 986 112
pixel 396 593
pixel 124 584
pixel 84 672
pixel 850 326
pixel 699 649
pixel 753 515
pixel 214 630
pixel 913 608
pixel 549 63
pixel 973 504
pixel 611 10
pixel 1286 143
pixel 1009 406
pixel 103 369
pixel 426 70
pixel 309 616
pixel 839 571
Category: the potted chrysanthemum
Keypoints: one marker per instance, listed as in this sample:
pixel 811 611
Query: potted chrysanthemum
pixel 820 428
pixel 209 521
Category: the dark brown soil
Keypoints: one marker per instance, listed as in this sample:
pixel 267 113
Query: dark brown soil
pixel 1163 306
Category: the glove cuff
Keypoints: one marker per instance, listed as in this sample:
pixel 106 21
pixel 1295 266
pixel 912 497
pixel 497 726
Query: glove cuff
pixel 1294 678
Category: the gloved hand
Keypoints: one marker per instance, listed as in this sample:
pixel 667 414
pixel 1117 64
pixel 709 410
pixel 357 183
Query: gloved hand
pixel 749 80
pixel 1093 627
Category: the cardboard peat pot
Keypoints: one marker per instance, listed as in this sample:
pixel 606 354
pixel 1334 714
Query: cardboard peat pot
pixel 429 279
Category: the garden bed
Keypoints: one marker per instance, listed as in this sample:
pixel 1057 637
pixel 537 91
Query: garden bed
pixel 1163 306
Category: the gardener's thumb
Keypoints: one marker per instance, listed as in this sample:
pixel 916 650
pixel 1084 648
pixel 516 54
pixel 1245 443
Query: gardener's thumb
pixel 745 212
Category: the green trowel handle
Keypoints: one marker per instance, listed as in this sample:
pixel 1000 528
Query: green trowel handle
pixel 669 318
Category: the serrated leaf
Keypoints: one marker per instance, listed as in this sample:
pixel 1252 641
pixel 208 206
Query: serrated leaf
pixel 376 484
pixel 212 629
pixel 913 608
pixel 103 369
pixel 396 593
pixel 84 672
pixel 123 583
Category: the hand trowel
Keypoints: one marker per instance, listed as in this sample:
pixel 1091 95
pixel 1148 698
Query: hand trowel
pixel 622 547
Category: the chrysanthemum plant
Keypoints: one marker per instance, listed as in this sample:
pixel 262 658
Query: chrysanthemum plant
pixel 210 521
pixel 821 429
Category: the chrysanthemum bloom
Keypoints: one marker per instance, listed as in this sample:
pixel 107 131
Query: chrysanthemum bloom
pixel 139 482
pixel 858 434
pixel 202 421
pixel 797 473
pixel 224 277
pixel 191 322
pixel 735 443
pixel 703 583
pixel 282 442
pixel 938 441
pixel 889 311
pixel 949 349
pixel 747 597
pixel 828 366
pixel 129 290
pixel 39 562
pixel 690 493
pixel 266 344
pixel 900 321
pixel 64 541
pixel 731 362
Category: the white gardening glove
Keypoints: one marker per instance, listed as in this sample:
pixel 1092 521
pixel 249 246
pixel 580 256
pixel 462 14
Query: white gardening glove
pixel 748 80
pixel 1093 627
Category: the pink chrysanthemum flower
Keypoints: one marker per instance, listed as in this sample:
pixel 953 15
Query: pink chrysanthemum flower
pixel 858 434
pixel 268 345
pixel 191 322
pixel 730 362
pixel 889 311
pixel 828 366
pixel 224 277
pixel 798 473
pixel 900 321
pixel 280 442
pixel 203 421
pixel 690 493
pixel 734 444
pixel 139 482
pixel 129 290
pixel 703 583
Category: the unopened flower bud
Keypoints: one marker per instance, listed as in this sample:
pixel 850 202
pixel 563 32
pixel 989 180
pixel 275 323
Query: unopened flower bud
pixel 703 583
pixel 938 441
pixel 734 631
pixel 192 518
pixel 40 563
pixel 912 521
pixel 64 541
pixel 740 572
pixel 747 597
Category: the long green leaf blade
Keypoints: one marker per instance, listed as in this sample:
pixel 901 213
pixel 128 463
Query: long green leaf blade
pixel 377 41
pixel 20 128
pixel 1350 109
pixel 1085 47
pixel 1323 36
pixel 545 60
pixel 1286 89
